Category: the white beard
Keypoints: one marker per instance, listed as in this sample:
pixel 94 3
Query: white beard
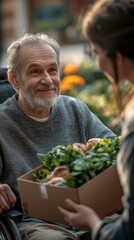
pixel 38 103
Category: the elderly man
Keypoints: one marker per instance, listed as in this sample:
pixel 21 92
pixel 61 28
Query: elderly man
pixel 36 119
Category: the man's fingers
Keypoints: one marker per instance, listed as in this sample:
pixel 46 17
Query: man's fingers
pixel 11 198
pixel 7 197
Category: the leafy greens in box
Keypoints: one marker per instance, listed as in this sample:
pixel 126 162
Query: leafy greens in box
pixel 82 166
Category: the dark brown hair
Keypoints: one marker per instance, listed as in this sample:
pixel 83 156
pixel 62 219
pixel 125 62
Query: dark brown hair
pixel 110 24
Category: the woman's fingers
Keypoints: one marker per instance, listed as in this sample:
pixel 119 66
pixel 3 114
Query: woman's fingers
pixel 64 211
pixel 72 205
pixel 79 216
pixel 67 215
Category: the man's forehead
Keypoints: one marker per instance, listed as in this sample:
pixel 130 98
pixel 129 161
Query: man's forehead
pixel 32 53
pixel 37 47
pixel 34 64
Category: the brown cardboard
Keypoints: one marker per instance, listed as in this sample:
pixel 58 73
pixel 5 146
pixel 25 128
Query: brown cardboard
pixel 103 193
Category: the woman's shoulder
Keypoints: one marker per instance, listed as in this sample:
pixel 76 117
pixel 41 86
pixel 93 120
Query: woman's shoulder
pixel 128 127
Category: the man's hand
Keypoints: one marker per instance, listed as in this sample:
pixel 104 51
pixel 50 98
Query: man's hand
pixel 79 216
pixel 7 198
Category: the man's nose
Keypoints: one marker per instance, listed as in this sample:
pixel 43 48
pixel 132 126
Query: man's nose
pixel 46 79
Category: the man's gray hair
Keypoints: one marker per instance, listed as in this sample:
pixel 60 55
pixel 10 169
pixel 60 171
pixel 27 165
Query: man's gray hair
pixel 13 51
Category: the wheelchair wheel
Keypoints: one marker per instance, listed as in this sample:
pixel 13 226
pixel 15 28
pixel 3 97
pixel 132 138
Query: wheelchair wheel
pixel 8 229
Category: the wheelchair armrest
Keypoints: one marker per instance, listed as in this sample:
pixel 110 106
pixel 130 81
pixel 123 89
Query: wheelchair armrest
pixel 6 90
pixel 13 214
pixel 8 228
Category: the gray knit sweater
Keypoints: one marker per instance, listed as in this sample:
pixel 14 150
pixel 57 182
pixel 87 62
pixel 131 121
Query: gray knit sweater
pixel 21 137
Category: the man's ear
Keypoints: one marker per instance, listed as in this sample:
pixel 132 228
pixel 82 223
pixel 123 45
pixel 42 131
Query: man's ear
pixel 12 79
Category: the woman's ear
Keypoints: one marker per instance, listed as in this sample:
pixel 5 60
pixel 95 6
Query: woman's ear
pixel 120 61
pixel 12 79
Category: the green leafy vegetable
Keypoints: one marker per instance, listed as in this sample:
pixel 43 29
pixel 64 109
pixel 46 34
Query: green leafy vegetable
pixel 82 166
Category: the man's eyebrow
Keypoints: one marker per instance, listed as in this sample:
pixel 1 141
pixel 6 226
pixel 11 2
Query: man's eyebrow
pixel 54 64
pixel 38 65
pixel 32 65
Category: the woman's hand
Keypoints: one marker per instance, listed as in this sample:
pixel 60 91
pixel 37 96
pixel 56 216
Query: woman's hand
pixel 7 198
pixel 79 216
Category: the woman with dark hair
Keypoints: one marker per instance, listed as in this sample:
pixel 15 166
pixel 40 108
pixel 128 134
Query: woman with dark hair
pixel 109 27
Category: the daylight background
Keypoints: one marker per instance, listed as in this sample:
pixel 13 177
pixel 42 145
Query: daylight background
pixel 60 19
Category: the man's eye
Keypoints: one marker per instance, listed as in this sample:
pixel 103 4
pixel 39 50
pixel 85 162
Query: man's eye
pixel 35 71
pixel 52 70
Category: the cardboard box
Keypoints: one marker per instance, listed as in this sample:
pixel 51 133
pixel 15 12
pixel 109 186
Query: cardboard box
pixel 102 193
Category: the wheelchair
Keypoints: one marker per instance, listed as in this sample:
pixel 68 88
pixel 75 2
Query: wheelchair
pixel 8 228
pixel 6 90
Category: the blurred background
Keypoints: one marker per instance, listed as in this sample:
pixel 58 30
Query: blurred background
pixel 60 19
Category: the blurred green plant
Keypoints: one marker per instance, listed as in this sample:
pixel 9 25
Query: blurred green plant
pixel 92 88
